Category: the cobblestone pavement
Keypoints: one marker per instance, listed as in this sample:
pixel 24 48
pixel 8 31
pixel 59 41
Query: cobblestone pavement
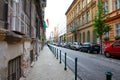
pixel 48 68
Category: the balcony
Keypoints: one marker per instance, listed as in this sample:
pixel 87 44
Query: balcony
pixel 73 28
pixel 113 15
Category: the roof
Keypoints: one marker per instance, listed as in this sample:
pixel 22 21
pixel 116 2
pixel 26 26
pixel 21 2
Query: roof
pixel 74 1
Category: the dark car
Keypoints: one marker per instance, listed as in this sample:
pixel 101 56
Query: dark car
pixel 90 47
pixel 113 50
pixel 68 45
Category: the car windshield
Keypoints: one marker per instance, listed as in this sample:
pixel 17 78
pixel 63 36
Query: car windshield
pixel 86 44
pixel 76 43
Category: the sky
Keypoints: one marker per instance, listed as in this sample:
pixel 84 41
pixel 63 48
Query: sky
pixel 55 13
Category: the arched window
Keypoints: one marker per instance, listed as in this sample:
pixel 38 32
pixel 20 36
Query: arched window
pixel 94 36
pixel 83 37
pixel 88 36
pixel 80 38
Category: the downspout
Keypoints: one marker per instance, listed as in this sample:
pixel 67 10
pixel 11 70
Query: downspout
pixel 30 19
pixel 6 15
pixel 14 15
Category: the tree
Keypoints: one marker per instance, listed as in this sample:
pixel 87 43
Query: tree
pixel 99 25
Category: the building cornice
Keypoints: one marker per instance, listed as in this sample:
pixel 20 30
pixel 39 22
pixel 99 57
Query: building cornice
pixel 74 1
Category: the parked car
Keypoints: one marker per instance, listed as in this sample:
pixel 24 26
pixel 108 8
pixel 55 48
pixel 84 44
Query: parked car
pixel 61 44
pixel 64 44
pixel 76 46
pixel 58 44
pixel 113 50
pixel 68 45
pixel 90 47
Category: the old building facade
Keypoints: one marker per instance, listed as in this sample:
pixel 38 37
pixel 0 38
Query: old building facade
pixel 112 8
pixel 56 34
pixel 79 21
pixel 80 16
pixel 21 29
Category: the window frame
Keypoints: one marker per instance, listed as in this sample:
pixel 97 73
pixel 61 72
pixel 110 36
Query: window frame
pixel 117 4
pixel 117 29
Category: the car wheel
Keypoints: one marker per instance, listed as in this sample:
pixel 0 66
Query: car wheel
pixel 107 54
pixel 89 51
pixel 81 50
pixel 98 52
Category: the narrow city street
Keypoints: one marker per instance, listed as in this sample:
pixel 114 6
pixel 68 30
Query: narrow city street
pixel 55 39
pixel 91 66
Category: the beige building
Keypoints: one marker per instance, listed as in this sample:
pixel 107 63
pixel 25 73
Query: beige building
pixel 80 16
pixel 56 34
pixel 79 21
pixel 112 8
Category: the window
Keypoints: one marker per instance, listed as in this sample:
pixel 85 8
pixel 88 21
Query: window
pixel 107 34
pixel 11 3
pixel 117 4
pixel 80 21
pixel 83 37
pixel 77 9
pixel 117 29
pixel 80 38
pixel 83 4
pixel 88 36
pixel 94 36
pixel 87 1
pixel 83 19
pixel 106 7
pixel 14 69
pixel 79 5
pixel 77 22
pixel 88 16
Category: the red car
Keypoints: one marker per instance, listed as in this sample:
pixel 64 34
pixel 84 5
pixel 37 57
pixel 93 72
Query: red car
pixel 113 50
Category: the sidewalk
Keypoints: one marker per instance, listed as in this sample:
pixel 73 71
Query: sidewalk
pixel 48 68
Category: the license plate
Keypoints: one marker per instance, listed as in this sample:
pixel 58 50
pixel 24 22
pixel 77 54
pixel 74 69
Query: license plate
pixel 96 47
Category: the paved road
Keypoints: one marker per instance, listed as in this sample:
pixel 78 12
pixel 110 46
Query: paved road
pixel 92 66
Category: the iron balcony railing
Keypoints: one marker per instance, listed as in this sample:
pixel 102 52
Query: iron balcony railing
pixel 73 28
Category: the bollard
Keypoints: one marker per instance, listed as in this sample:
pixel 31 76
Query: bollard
pixel 52 49
pixel 57 53
pixel 108 75
pixel 65 63
pixel 60 56
pixel 75 68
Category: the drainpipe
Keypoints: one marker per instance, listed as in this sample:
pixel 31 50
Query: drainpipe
pixel 14 15
pixel 6 15
pixel 30 19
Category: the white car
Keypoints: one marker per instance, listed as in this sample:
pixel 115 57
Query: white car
pixel 76 45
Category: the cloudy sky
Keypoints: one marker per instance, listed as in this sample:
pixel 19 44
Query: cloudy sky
pixel 55 13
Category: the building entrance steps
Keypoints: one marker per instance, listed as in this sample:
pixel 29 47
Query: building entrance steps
pixel 47 67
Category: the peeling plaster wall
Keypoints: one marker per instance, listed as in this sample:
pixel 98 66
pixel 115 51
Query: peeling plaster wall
pixel 26 57
pixel 15 50
pixel 3 60
pixel 11 51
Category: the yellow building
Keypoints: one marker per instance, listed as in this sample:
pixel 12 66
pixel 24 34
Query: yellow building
pixel 80 16
pixel 56 34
